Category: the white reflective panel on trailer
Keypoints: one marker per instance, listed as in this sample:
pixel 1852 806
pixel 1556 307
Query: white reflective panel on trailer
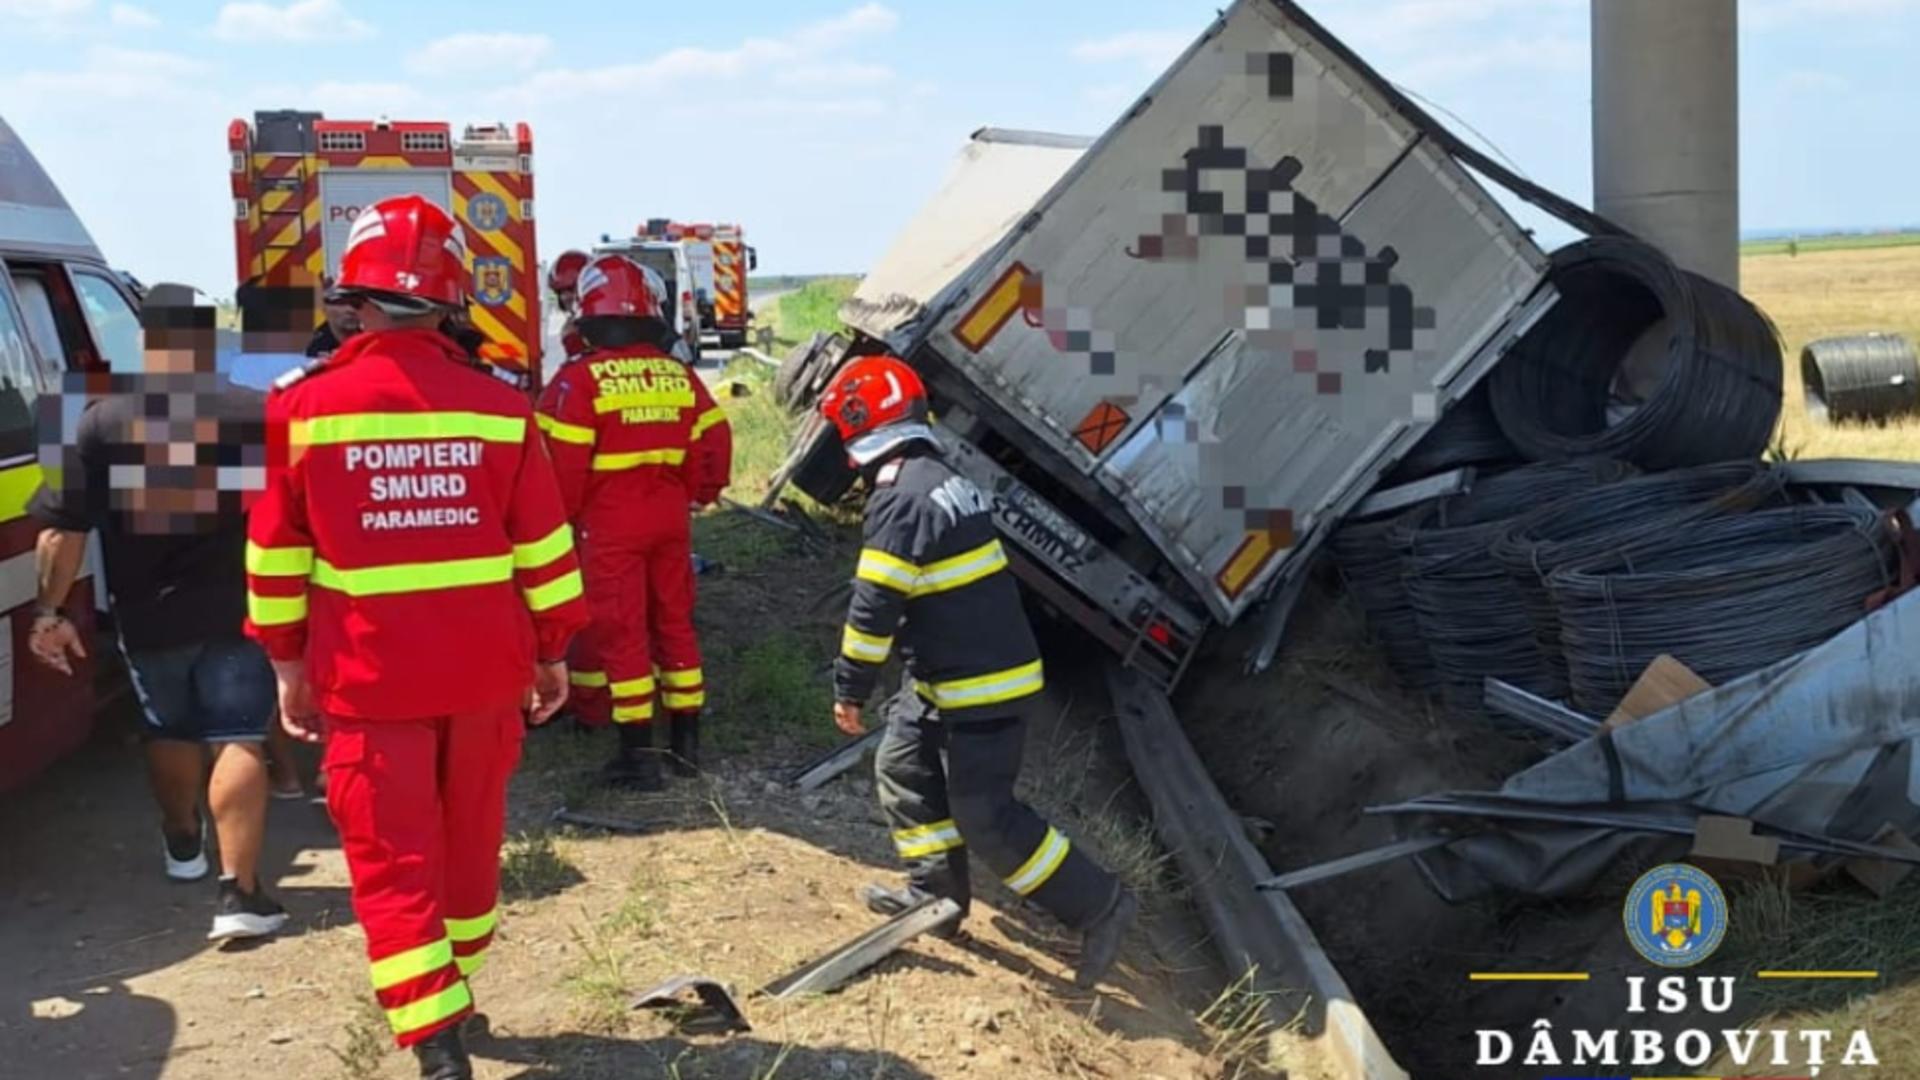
pixel 346 192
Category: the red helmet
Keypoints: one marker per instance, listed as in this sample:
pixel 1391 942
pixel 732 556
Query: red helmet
pixel 614 286
pixel 563 277
pixel 877 403
pixel 406 246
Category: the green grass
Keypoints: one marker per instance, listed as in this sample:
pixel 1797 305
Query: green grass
pixel 1806 245
pixel 531 867
pixel 813 309
pixel 776 689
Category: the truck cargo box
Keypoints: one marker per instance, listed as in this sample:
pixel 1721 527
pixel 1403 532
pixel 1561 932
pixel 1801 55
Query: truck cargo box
pixel 1241 305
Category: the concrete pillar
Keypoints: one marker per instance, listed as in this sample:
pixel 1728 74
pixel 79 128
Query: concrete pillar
pixel 1666 128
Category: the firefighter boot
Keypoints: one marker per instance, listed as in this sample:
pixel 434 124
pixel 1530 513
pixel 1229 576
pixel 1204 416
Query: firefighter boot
pixel 443 1056
pixel 684 729
pixel 892 902
pixel 635 766
pixel 1100 942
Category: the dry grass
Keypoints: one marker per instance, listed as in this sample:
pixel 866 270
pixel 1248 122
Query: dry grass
pixel 1826 294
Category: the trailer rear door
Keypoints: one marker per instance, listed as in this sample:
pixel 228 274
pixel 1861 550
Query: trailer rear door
pixel 1255 290
pixel 345 192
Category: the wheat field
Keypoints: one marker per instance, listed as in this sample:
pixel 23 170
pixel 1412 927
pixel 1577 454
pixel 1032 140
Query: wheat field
pixel 1828 294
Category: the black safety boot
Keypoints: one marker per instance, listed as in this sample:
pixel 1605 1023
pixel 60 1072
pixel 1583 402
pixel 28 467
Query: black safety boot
pixel 882 900
pixel 443 1056
pixel 1100 942
pixel 684 736
pixel 635 766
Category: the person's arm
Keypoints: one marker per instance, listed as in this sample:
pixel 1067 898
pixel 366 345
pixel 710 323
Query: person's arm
pixel 279 562
pixel 566 416
pixel 54 638
pixel 547 570
pixel 882 583
pixel 711 467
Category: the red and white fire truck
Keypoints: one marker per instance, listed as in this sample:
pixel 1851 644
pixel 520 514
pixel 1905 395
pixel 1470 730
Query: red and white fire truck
pixel 721 261
pixel 299 179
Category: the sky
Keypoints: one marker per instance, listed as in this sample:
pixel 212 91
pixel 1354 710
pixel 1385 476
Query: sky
pixel 821 125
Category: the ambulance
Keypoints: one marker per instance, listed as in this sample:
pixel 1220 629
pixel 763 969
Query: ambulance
pixel 720 260
pixel 299 179
pixel 62 309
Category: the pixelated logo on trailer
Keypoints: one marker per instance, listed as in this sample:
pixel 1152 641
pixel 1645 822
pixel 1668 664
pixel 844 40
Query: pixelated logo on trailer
pixel 492 280
pixel 1676 915
pixel 487 212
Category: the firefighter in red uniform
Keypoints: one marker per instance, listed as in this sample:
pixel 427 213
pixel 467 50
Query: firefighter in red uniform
pixel 635 438
pixel 563 280
pixel 412 575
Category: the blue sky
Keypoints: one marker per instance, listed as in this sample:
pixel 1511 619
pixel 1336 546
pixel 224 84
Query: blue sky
pixel 822 124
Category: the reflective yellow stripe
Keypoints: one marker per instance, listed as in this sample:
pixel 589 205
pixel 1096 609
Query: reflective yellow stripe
pixel 373 427
pixel 587 678
pixel 1045 860
pixel 617 462
pixel 864 647
pixel 429 1011
pixel 630 714
pixel 682 700
pixel 918 843
pixel 681 398
pixel 414 577
pixel 279 562
pixel 543 551
pixel 710 418
pixel 17 487
pixel 567 433
pixel 892 571
pixel 567 586
pixel 985 689
pixel 276 610
pixel 470 964
pixel 633 687
pixel 390 971
pixel 475 928
pixel 682 678
pixel 963 569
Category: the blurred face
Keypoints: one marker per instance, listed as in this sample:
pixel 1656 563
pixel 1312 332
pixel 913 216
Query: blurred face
pixel 343 320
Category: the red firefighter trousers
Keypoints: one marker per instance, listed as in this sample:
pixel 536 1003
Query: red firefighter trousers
pixel 420 806
pixel 640 596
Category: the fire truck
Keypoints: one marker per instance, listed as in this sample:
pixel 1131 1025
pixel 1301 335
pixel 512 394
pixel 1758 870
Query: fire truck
pixel 721 261
pixel 299 180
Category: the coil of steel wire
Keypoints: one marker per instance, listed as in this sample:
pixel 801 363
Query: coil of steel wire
pixel 1593 523
pixel 1868 377
pixel 1470 612
pixel 1718 364
pixel 1725 597
pixel 1366 558
pixel 1466 434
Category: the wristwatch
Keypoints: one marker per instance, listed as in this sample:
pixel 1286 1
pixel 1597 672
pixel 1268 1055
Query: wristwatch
pixel 48 611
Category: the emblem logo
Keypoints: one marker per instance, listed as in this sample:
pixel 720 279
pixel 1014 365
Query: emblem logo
pixel 1676 915
pixel 492 279
pixel 487 212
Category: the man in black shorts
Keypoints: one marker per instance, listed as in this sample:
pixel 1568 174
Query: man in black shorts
pixel 158 464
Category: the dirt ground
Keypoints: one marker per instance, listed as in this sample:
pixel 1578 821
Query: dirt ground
pixel 737 878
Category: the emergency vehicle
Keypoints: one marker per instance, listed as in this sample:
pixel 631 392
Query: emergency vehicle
pixel 721 260
pixel 300 179
pixel 62 309
pixel 669 259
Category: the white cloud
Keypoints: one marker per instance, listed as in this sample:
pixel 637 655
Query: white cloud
pixel 691 65
pixel 474 53
pixel 834 75
pixel 111 73
pixel 302 20
pixel 1151 49
pixel 128 17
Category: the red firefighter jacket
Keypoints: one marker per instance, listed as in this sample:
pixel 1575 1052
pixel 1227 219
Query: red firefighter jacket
pixel 410 544
pixel 635 436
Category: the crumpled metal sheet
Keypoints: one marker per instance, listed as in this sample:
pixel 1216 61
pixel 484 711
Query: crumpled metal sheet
pixel 1821 744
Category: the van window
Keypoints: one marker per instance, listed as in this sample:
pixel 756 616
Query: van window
pixel 42 328
pixel 116 326
pixel 19 385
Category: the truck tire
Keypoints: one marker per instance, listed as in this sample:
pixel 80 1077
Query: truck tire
pixel 787 380
pixel 822 368
pixel 822 470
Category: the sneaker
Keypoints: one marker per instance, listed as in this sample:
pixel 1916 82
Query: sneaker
pixel 186 855
pixel 245 914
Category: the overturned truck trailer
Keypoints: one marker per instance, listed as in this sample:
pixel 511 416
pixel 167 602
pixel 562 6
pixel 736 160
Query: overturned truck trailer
pixel 1213 334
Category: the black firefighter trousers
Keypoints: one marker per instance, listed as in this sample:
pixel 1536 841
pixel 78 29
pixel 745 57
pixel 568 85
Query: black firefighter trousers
pixel 946 787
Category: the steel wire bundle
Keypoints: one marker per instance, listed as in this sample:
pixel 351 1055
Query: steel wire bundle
pixel 1469 611
pixel 1867 377
pixel 1591 524
pixel 1719 395
pixel 1366 558
pixel 1725 597
pixel 1466 434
